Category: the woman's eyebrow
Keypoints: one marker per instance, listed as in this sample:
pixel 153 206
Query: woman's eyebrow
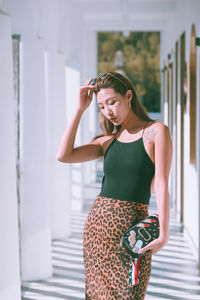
pixel 107 100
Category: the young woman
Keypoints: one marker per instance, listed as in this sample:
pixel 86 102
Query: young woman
pixel 137 159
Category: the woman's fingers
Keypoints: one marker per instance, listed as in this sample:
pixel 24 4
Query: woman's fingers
pixel 153 247
pixel 91 94
pixel 87 87
pixel 86 91
pixel 87 83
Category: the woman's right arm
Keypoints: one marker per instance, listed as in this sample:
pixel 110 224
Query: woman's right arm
pixel 66 152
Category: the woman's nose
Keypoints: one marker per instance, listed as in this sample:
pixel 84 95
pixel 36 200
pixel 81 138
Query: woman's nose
pixel 108 111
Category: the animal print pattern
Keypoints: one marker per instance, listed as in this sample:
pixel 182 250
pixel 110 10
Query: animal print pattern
pixel 106 277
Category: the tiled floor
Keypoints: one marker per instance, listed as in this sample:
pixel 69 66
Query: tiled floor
pixel 174 271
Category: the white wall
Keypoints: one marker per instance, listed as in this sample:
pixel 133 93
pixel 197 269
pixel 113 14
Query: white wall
pixel 186 14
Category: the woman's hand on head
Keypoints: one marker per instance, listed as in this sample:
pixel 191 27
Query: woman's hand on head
pixel 85 95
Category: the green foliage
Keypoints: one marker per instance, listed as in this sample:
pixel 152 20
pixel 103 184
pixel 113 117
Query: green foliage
pixel 141 56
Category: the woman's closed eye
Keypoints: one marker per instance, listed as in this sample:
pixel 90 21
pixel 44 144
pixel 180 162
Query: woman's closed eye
pixel 112 103
pixel 109 103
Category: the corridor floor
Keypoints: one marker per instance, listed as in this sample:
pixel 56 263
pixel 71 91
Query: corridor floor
pixel 174 270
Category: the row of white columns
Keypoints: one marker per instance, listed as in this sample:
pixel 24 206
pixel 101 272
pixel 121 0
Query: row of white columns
pixel 45 190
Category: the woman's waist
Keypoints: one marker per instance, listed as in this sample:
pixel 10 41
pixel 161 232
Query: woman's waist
pixel 134 196
pixel 109 202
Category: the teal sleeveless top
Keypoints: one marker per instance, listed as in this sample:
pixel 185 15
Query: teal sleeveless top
pixel 128 171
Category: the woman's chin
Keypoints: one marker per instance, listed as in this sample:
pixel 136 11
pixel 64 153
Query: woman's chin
pixel 116 123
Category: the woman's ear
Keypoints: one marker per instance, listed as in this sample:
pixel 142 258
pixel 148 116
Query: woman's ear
pixel 129 95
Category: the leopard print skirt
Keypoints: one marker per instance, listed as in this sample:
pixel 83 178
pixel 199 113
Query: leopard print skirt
pixel 106 277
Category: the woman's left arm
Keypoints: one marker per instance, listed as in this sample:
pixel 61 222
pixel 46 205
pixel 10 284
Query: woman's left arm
pixel 163 159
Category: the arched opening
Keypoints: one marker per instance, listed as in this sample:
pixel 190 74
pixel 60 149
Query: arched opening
pixel 165 106
pixel 168 96
pixel 176 125
pixel 171 100
pixel 192 97
pixel 182 110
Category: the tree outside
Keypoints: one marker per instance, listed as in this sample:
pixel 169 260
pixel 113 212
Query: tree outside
pixel 138 56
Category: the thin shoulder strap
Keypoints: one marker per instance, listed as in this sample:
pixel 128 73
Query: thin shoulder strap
pixel 144 127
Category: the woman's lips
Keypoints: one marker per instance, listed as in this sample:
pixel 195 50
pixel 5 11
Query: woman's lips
pixel 112 119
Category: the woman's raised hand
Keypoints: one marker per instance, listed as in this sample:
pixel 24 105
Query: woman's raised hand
pixel 85 95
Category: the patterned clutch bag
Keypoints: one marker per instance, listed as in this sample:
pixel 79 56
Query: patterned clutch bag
pixel 138 236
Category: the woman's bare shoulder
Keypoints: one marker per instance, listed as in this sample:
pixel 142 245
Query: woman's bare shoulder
pixel 103 138
pixel 157 129
pixel 104 141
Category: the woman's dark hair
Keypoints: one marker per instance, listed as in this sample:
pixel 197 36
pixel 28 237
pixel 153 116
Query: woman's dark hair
pixel 120 84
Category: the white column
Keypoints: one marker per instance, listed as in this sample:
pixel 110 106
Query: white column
pixel 35 205
pixel 9 257
pixel 90 121
pixel 72 74
pixel 59 188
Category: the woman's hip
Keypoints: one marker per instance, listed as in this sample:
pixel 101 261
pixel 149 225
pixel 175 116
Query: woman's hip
pixel 109 218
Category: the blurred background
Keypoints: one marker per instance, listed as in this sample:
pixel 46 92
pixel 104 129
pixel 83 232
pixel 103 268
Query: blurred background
pixel 137 56
pixel 48 48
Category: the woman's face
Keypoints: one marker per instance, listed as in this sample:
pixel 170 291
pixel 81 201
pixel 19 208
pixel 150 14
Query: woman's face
pixel 114 106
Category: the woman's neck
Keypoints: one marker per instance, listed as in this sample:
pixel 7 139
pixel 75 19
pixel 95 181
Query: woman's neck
pixel 132 122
